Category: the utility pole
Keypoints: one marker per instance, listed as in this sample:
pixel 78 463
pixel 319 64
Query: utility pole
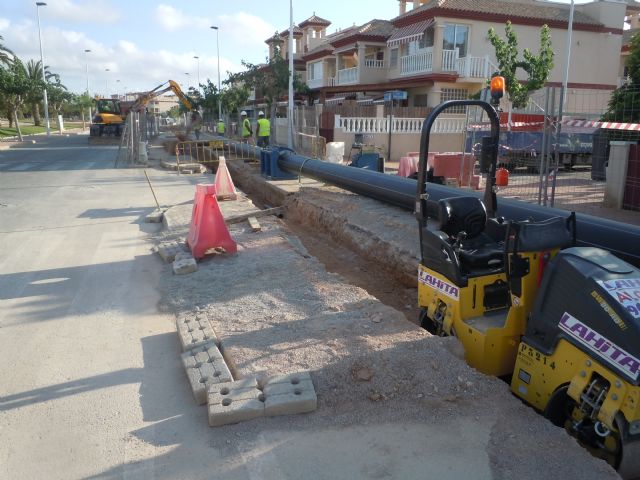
pixel 44 78
pixel 290 51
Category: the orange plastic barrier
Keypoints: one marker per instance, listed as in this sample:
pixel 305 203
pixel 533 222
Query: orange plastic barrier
pixel 208 229
pixel 448 165
pixel 225 189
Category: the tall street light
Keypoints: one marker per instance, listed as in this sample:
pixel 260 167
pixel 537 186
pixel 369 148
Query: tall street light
pixel 86 64
pixel 106 82
pixel 198 59
pixel 290 52
pixel 218 50
pixel 187 75
pixel 44 79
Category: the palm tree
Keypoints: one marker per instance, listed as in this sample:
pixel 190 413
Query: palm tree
pixel 34 74
pixel 6 55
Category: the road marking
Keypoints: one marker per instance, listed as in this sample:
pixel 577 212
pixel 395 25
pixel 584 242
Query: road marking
pixel 88 147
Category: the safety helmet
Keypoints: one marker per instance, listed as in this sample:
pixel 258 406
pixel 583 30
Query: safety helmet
pixel 243 113
pixel 261 113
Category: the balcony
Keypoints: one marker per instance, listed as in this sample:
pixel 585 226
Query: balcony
pixel 467 67
pixel 348 76
pixel 316 83
pixel 418 63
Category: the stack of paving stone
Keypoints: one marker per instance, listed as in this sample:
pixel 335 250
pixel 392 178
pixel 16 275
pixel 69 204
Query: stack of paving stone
pixel 179 255
pixel 229 400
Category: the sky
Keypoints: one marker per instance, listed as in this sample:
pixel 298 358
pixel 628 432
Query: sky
pixel 144 43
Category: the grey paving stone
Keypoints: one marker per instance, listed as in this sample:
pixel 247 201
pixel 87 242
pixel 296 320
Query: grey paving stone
pixel 154 217
pixel 234 411
pixel 290 394
pixel 195 331
pixel 169 250
pixel 200 366
pixel 234 402
pixel 185 266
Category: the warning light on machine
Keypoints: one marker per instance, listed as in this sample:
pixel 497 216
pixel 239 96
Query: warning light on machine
pixel 497 88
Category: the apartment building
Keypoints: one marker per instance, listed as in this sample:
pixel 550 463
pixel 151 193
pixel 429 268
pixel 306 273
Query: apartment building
pixel 438 50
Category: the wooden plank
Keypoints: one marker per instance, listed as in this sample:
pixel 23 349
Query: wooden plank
pixel 257 213
pixel 254 224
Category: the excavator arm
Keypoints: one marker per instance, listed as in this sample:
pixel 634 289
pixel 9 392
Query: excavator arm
pixel 145 98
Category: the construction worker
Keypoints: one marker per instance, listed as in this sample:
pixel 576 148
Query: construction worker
pixel 220 128
pixel 247 131
pixel 263 130
pixel 196 123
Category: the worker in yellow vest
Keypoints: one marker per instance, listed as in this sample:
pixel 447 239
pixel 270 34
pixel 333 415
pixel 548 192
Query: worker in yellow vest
pixel 220 128
pixel 263 131
pixel 247 131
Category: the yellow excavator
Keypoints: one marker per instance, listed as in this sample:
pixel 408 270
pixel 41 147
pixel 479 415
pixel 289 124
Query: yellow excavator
pixel 111 113
pixel 560 323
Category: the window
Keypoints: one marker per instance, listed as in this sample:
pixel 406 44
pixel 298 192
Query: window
pixel 315 71
pixel 456 37
pixel 427 39
pixel 454 94
pixel 420 100
pixel 393 59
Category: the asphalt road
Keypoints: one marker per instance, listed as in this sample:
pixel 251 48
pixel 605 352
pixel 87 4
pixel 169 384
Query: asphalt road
pixel 90 380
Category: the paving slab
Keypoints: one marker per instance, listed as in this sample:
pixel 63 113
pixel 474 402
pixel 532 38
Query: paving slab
pixel 185 266
pixel 290 394
pixel 195 331
pixel 234 402
pixel 169 249
pixel 205 367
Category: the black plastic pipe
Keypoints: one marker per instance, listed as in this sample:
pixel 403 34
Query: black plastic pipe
pixel 621 239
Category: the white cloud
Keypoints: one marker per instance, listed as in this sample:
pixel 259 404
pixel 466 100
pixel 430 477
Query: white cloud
pixel 245 30
pixel 81 11
pixel 4 24
pixel 171 19
pixel 135 68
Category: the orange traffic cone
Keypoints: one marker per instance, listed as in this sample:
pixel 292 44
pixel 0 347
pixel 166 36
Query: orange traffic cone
pixel 225 190
pixel 207 229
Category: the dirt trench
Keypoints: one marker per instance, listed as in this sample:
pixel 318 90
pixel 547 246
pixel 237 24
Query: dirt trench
pixel 327 239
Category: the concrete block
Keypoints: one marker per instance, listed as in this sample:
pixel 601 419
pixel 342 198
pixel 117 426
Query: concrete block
pixel 183 256
pixel 169 250
pixel 231 411
pixel 201 372
pixel 234 402
pixel 290 394
pixel 194 332
pixel 185 266
pixel 154 217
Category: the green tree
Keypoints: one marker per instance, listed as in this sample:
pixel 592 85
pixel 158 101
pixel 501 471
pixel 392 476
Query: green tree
pixel 624 104
pixel 536 66
pixel 14 87
pixel 35 96
pixel 270 80
pixel 210 98
pixel 234 96
pixel 6 55
pixel 174 112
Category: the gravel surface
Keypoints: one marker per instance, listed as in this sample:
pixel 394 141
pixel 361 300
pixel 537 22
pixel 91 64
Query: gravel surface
pixel 276 310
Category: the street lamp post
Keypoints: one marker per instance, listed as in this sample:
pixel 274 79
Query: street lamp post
pixel 106 82
pixel 198 59
pixel 187 75
pixel 218 51
pixel 44 79
pixel 86 63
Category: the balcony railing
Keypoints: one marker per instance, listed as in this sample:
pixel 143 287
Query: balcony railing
pixel 468 67
pixel 316 82
pixel 420 62
pixel 372 125
pixel 374 63
pixel 476 67
pixel 348 75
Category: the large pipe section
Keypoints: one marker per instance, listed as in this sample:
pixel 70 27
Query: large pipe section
pixel 619 238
